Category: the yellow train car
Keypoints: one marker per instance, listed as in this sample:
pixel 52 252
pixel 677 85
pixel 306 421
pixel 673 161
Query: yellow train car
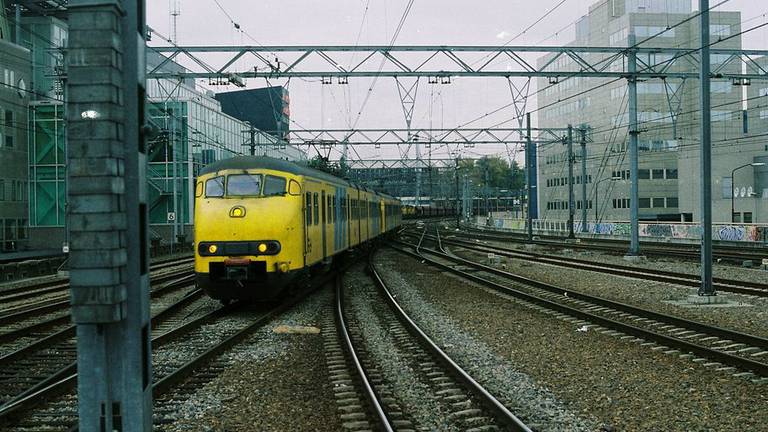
pixel 261 223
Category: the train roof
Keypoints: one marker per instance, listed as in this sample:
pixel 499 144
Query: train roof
pixel 251 162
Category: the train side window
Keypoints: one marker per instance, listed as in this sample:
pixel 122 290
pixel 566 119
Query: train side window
pixel 244 185
pixel 315 209
pixel 274 186
pixel 308 205
pixel 294 188
pixel 198 189
pixel 214 187
pixel 329 206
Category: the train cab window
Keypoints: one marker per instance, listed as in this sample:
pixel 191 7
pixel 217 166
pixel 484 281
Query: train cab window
pixel 198 189
pixel 315 208
pixel 214 187
pixel 308 205
pixel 244 185
pixel 274 186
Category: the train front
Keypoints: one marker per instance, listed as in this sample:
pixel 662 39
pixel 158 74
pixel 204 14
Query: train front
pixel 248 233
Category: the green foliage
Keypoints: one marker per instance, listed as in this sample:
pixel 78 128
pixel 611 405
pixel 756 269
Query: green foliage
pixel 494 172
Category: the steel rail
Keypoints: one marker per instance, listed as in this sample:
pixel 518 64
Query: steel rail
pixel 502 413
pixel 691 251
pixel 370 393
pixel 725 358
pixel 23 312
pixel 727 285
pixel 735 336
pixel 65 379
pixel 21 292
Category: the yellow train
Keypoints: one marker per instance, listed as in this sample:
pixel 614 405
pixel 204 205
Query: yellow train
pixel 262 223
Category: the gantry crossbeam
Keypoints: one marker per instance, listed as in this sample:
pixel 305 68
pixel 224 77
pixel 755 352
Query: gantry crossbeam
pixel 442 62
pixel 404 163
pixel 424 136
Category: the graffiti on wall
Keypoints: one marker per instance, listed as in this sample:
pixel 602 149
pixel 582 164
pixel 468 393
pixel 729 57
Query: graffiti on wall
pixel 735 233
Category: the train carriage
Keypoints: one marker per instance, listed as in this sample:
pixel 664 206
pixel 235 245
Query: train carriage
pixel 261 223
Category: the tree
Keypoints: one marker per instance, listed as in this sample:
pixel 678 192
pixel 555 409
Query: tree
pixel 494 173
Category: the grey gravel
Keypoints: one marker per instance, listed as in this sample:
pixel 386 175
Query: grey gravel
pixel 750 316
pixel 531 402
pixel 618 384
pixel 275 382
pixel 417 399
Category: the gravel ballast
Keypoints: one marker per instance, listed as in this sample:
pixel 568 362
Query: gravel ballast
pixel 746 314
pixel 273 382
pixel 615 384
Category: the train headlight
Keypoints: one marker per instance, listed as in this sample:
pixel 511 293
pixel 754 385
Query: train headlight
pixel 263 247
pixel 212 249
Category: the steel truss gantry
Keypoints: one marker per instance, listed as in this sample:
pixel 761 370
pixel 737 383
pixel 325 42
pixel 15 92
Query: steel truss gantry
pixel 439 163
pixel 467 137
pixel 440 62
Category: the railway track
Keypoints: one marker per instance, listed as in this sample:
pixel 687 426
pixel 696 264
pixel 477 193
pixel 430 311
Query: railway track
pixel 52 358
pixel 185 355
pixel 23 292
pixel 691 252
pixel 470 406
pixel 36 320
pixel 744 354
pixel 720 284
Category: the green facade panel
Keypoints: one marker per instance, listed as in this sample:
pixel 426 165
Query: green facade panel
pixel 47 169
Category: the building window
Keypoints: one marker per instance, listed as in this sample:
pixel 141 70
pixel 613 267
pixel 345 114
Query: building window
pixel 727 184
pixel 747 217
pixel 658 174
pixel 644 174
pixel 671 174
pixel 645 203
pixel 2 190
pixel 719 30
pixel 9 141
pixel 658 202
pixel 673 202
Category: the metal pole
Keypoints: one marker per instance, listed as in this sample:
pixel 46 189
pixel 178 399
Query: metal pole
pixel 458 208
pixel 253 140
pixel 571 199
pixel 634 196
pixel 584 180
pixel 597 201
pixel 108 212
pixel 706 288
pixel 174 174
pixel 18 24
pixel 530 174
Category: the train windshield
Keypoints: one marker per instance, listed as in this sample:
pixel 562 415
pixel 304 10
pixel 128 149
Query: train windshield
pixel 274 186
pixel 215 187
pixel 244 185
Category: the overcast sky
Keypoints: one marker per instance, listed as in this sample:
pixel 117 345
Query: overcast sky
pixel 430 22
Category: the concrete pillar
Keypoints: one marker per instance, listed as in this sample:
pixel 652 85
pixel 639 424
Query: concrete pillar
pixel 106 159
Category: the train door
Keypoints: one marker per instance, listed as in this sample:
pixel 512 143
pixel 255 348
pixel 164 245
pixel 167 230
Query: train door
pixel 314 237
pixel 358 212
pixel 323 224
pixel 367 207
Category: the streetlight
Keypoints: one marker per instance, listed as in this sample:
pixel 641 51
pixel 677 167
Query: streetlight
pixel 733 185
pixel 597 193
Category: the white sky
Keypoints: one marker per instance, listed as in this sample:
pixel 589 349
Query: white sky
pixel 430 22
